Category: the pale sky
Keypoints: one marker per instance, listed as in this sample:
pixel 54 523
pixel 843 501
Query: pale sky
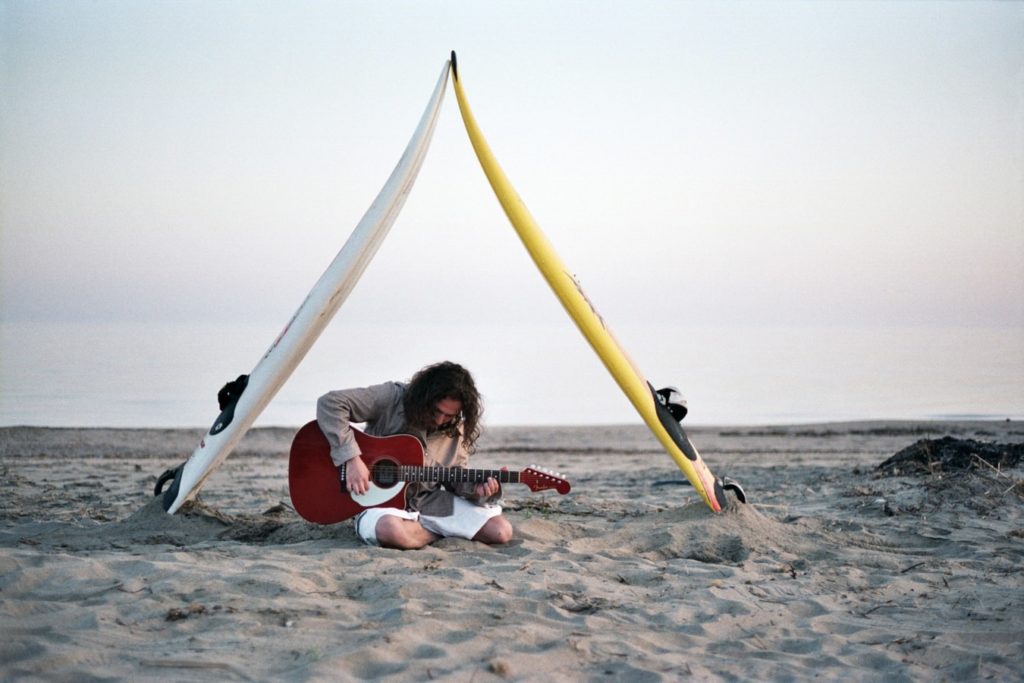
pixel 763 163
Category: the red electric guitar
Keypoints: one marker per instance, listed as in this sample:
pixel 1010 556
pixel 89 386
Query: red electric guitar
pixel 318 490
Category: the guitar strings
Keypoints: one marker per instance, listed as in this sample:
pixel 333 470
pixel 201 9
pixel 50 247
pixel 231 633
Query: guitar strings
pixel 387 472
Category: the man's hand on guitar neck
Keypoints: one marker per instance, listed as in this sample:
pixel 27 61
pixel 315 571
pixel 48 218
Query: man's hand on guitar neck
pixel 357 476
pixel 487 488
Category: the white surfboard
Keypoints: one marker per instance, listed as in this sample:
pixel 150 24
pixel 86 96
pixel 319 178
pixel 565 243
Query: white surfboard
pixel 323 301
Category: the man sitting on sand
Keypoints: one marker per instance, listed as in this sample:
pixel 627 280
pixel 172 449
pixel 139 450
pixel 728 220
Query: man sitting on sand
pixel 441 407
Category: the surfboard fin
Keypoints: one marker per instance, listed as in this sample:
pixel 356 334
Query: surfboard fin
pixel 174 476
pixel 670 422
pixel 227 399
pixel 673 400
pixel 728 484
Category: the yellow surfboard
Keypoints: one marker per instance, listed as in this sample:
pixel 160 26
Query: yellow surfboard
pixel 640 393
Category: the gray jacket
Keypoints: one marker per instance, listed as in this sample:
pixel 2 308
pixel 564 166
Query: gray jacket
pixel 380 407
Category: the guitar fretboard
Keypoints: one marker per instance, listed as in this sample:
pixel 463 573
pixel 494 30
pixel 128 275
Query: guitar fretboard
pixel 456 474
pixel 388 473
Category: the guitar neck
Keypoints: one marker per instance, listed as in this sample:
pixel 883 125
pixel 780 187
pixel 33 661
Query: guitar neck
pixel 454 475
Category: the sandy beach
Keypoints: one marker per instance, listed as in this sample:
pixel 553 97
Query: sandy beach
pixel 834 569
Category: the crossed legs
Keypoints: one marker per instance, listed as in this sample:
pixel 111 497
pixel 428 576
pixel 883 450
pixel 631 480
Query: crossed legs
pixel 393 531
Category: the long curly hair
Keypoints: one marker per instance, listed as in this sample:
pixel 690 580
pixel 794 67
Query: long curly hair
pixel 435 383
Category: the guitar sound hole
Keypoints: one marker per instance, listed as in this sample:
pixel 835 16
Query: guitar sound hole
pixel 385 473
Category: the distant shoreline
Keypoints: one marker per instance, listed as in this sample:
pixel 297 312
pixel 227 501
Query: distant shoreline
pixel 178 443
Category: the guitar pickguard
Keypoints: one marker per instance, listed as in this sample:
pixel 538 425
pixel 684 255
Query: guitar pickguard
pixel 378 495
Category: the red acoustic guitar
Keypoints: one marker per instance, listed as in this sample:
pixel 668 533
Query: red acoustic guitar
pixel 318 490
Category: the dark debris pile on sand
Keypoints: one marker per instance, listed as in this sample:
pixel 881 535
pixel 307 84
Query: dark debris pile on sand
pixel 984 477
pixel 932 456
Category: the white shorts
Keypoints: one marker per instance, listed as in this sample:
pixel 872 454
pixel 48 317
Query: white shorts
pixel 465 521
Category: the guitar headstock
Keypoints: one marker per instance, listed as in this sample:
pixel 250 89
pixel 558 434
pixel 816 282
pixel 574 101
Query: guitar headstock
pixel 540 479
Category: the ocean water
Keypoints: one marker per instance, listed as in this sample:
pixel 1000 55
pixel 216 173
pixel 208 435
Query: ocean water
pixel 168 375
